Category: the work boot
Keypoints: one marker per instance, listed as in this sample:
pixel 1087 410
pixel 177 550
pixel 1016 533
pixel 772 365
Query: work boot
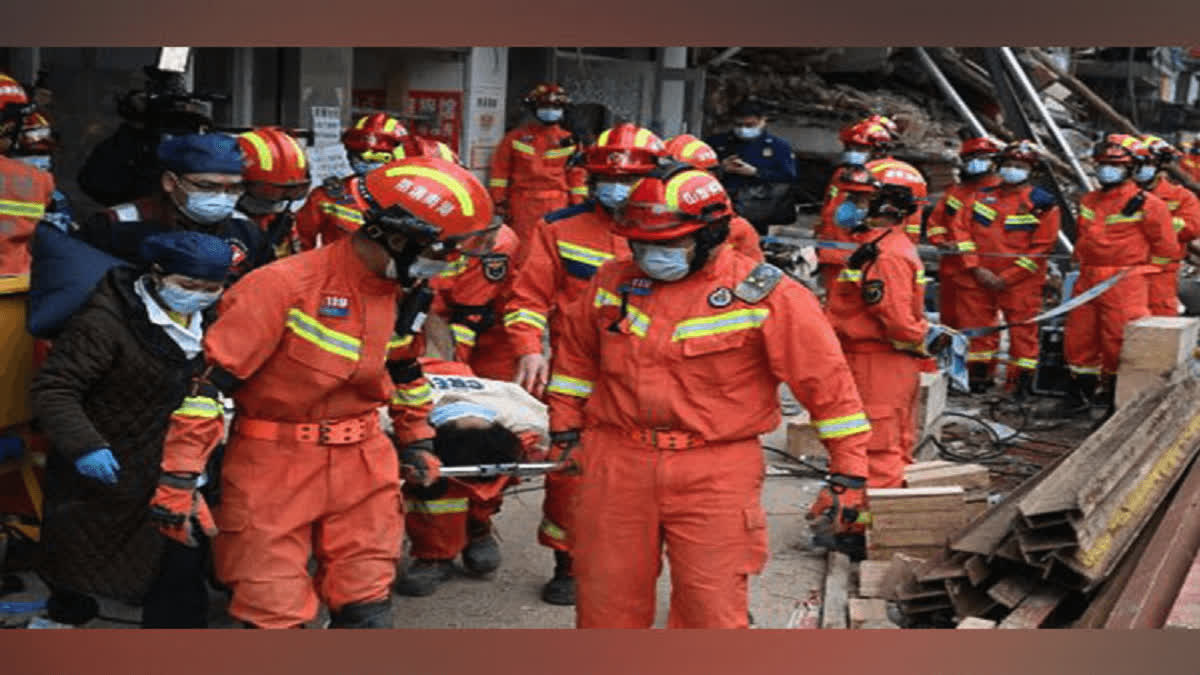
pixel 482 555
pixel 560 590
pixel 423 577
pixel 1022 386
pixel 1078 401
pixel 376 614
pixel 1107 395
pixel 980 378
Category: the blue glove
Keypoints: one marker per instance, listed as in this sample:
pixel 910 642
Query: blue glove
pixel 99 465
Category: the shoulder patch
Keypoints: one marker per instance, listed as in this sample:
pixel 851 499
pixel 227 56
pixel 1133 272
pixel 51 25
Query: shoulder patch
pixel 568 212
pixel 495 267
pixel 334 187
pixel 762 280
pixel 872 291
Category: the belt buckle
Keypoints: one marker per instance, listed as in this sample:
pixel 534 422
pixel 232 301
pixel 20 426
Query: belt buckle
pixel 323 430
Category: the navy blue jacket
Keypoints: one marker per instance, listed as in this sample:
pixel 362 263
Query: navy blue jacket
pixel 770 154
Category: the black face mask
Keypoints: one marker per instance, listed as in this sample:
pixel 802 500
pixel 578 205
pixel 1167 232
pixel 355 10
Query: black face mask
pixel 708 238
pixel 403 254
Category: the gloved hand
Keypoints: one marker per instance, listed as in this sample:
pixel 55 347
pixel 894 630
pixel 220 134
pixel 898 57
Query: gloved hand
pixel 939 338
pixel 988 279
pixel 177 506
pixel 840 506
pixel 419 465
pixel 562 444
pixel 99 465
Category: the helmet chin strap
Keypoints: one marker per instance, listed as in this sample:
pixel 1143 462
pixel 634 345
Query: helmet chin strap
pixel 403 258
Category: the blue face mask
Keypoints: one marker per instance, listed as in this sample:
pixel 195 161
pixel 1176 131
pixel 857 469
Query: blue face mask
pixel 612 195
pixel 1110 174
pixel 185 301
pixel 42 162
pixel 448 412
pixel 746 133
pixel 1014 174
pixel 977 166
pixel 363 167
pixel 549 115
pixel 661 262
pixel 849 215
pixel 207 208
pixel 1145 174
pixel 855 157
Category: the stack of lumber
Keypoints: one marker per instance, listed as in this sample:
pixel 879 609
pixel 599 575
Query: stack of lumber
pixel 913 521
pixel 1063 533
pixel 1154 352
pixel 974 479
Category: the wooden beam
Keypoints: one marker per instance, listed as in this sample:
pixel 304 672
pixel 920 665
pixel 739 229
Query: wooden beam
pixel 837 584
pixel 1085 92
pixel 871 574
pixel 867 610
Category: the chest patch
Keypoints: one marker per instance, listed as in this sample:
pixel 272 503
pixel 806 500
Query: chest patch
pixel 637 286
pixel 768 152
pixel 239 255
pixel 495 267
pixel 722 297
pixel 337 306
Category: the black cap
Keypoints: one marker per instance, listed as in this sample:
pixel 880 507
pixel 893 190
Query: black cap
pixel 748 108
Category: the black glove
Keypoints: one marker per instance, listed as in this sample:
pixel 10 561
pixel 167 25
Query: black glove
pixel 419 465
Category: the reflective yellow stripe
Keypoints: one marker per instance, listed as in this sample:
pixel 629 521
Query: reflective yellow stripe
pixel 1117 218
pixel 691 148
pixel 1021 219
pixel 22 209
pixel 676 183
pixel 569 386
pixel 1027 264
pixel 525 316
pixel 308 328
pixel 981 356
pixel 921 279
pixel 462 334
pixel 581 190
pixel 953 202
pixel 199 406
pixel 1030 364
pixel 1086 214
pixel 739 319
pixel 457 267
pixel 935 231
pixel 1171 206
pixel 603 140
pixel 641 138
pixel 390 125
pixel 639 322
pixel 522 147
pixel 837 427
pixel 456 188
pixel 913 228
pixel 909 346
pixel 967 246
pixel 833 191
pixel 438 507
pixel 396 342
pixel 413 397
pixel 849 275
pixel 301 158
pixel 260 147
pixel 498 182
pixel 1085 370
pixel 1159 260
pixel 559 152
pixel 553 531
pixel 1178 224
pixel 343 212
pixel 583 254
pixel 361 121
pixel 984 210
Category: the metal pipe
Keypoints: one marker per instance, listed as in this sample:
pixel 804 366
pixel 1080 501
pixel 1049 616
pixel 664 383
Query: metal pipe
pixel 948 89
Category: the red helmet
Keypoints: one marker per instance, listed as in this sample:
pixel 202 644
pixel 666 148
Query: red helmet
pixel 37 137
pixel 424 147
pixel 691 150
pixel 375 137
pixel 857 179
pixel 432 198
pixel 899 185
pixel 1120 149
pixel 1160 150
pixel 875 132
pixel 274 165
pixel 625 150
pixel 981 145
pixel 13 103
pixel 671 204
pixel 1022 151
pixel 547 94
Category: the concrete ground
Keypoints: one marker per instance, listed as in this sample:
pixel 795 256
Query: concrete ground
pixel 511 598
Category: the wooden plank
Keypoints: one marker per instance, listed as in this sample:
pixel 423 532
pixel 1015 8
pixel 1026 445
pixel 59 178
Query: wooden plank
pixel 864 610
pixel 877 625
pixel 1011 590
pixel 975 509
pixel 1035 608
pixel 975 623
pixel 917 552
pixel 967 600
pixel 931 402
pixel 909 493
pixel 904 538
pixel 897 571
pixel 967 476
pixel 871 574
pixel 948 522
pixel 1158 343
pixel 837 584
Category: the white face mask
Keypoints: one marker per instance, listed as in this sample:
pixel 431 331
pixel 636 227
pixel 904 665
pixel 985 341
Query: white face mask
pixel 662 262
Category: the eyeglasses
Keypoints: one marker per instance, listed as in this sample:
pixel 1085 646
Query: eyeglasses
pixel 237 188
pixel 274 192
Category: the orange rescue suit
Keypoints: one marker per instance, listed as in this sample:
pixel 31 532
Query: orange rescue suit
pixel 671 384
pixel 332 211
pixel 25 191
pixel 950 267
pixel 1185 220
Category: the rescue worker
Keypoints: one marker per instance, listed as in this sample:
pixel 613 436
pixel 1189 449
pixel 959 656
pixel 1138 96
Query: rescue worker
pixel 478 421
pixel 532 173
pixel 25 190
pixel 277 181
pixel 35 146
pixel 1190 163
pixel 978 171
pixel 199 189
pixel 569 246
pixel 335 208
pixel 876 308
pixel 1185 219
pixel 1005 232
pixel 471 297
pixel 1122 229
pixel 309 348
pixel 688 149
pixel 757 167
pixel 677 354
pixel 867 143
